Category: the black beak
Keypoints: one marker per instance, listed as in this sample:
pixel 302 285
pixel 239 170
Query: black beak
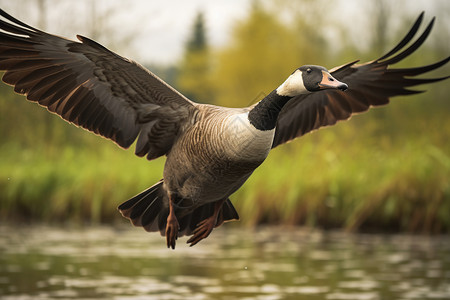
pixel 329 82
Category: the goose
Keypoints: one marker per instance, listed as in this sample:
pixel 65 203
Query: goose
pixel 210 150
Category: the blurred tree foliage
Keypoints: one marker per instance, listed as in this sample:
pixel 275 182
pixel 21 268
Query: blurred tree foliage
pixel 195 68
pixel 262 52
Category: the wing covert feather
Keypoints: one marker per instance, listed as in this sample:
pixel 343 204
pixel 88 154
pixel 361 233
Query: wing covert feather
pixel 92 87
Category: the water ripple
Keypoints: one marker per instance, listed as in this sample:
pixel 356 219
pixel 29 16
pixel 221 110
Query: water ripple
pixel 265 264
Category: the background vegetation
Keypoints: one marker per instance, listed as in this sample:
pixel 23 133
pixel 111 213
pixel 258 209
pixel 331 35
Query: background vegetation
pixel 388 169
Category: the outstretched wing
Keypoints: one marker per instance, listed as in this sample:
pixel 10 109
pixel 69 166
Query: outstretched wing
pixel 369 84
pixel 92 87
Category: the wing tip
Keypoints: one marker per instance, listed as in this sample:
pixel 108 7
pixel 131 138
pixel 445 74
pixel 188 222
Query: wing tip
pixel 393 56
pixel 16 22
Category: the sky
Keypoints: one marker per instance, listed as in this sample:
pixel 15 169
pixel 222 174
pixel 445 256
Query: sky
pixel 155 31
pixel 160 27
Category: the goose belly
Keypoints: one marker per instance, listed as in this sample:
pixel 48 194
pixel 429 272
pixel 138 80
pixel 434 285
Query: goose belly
pixel 218 162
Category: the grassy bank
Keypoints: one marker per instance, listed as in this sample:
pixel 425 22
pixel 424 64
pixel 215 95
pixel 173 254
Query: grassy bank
pixel 370 183
pixel 362 174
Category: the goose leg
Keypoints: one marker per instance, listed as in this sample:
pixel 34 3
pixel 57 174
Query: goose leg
pixel 205 227
pixel 172 226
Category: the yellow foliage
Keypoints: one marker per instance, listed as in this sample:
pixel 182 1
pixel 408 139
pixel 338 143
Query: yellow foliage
pixel 262 53
pixel 194 79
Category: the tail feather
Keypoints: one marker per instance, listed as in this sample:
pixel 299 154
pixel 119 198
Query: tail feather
pixel 189 222
pixel 150 209
pixel 143 208
pixel 150 214
pixel 162 220
pixel 185 223
pixel 131 202
pixel 143 205
pixel 228 213
pixel 199 215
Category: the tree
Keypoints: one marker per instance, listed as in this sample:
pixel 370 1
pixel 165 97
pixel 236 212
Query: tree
pixel 197 41
pixel 263 51
pixel 195 68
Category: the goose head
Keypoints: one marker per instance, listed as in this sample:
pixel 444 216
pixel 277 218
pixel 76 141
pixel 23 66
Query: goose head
pixel 308 79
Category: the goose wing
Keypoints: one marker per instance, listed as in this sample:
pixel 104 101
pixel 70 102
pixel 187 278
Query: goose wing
pixel 92 87
pixel 369 84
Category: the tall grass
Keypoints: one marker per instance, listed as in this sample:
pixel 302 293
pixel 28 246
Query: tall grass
pixel 67 183
pixel 363 174
pixel 351 176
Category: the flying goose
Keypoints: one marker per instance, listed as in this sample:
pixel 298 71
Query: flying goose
pixel 210 150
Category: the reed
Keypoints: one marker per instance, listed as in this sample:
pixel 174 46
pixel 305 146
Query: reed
pixel 350 176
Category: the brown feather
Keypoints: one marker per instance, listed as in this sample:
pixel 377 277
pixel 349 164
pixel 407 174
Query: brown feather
pixel 370 84
pixel 91 86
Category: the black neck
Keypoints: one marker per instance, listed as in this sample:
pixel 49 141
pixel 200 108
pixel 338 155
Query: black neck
pixel 265 114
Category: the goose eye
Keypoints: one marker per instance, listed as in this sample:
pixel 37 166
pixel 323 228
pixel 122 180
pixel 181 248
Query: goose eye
pixel 308 70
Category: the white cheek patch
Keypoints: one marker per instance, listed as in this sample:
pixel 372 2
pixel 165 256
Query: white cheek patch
pixel 293 86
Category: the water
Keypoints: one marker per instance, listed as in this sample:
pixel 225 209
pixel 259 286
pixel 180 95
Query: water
pixel 265 264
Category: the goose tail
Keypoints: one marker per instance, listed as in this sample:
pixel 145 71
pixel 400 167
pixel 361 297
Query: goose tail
pixel 150 209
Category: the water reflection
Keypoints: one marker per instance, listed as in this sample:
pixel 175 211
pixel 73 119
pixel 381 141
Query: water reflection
pixel 268 263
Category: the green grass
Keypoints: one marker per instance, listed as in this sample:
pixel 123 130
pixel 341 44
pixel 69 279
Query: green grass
pixel 405 188
pixel 351 176
pixel 363 174
pixel 69 183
